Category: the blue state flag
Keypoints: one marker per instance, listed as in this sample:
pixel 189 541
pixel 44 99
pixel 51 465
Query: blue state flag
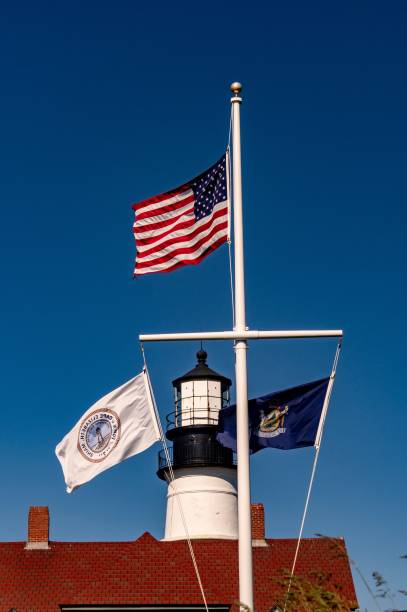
pixel 285 419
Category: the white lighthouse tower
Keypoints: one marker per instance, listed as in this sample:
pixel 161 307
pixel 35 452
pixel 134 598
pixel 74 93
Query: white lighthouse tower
pixel 204 471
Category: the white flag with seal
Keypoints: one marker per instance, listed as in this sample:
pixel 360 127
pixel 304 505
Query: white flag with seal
pixel 120 425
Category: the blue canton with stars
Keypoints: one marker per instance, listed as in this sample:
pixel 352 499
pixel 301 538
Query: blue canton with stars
pixel 209 189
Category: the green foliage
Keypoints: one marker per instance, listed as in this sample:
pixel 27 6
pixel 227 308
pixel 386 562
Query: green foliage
pixel 382 588
pixel 314 593
pixel 318 593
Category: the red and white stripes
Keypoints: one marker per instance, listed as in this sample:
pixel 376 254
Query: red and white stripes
pixel 168 235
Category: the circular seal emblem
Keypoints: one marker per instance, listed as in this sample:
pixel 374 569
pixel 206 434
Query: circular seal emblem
pixel 98 435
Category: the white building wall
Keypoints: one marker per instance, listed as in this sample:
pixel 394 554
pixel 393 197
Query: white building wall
pixel 209 504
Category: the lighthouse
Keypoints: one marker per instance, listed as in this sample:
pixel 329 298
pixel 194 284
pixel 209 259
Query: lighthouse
pixel 204 471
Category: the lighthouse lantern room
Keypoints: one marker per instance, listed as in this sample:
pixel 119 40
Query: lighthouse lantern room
pixel 204 471
pixel 200 394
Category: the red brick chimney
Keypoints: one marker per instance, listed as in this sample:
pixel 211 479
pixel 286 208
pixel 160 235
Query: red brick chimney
pixel 38 528
pixel 258 530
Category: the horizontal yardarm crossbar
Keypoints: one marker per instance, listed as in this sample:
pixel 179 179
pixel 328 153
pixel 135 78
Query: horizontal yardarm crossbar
pixel 243 335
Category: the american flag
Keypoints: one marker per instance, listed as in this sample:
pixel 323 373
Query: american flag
pixel 184 225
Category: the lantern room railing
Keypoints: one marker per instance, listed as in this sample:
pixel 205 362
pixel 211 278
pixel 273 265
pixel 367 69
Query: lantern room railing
pixel 210 400
pixel 196 415
pixel 199 455
pixel 193 416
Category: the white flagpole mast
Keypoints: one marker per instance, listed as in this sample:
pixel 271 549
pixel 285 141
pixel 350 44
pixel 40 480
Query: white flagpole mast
pixel 240 335
pixel 242 421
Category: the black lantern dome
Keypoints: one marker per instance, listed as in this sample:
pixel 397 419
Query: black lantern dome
pixel 201 370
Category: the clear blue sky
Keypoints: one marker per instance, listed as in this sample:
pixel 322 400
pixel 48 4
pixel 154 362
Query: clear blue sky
pixel 107 103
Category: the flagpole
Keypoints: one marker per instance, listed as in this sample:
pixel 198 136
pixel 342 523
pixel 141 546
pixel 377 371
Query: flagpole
pixel 243 469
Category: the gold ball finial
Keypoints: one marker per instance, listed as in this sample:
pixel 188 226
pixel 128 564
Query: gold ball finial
pixel 236 88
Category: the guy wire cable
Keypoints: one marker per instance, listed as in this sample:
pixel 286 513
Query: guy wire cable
pixel 171 480
pixel 314 465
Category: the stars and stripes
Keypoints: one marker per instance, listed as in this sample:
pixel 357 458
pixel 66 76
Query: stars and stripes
pixel 184 225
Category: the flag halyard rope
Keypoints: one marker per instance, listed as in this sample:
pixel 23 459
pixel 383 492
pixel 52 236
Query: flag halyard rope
pixel 232 295
pixel 314 465
pixel 229 188
pixel 171 480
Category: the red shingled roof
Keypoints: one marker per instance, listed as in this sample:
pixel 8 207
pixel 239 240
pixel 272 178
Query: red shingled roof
pixel 148 571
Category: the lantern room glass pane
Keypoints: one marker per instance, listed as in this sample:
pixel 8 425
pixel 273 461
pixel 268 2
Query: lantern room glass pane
pixel 200 394
pixel 214 392
pixel 200 415
pixel 187 402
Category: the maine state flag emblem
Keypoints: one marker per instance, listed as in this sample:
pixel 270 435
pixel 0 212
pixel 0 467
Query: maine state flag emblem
pixel 284 419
